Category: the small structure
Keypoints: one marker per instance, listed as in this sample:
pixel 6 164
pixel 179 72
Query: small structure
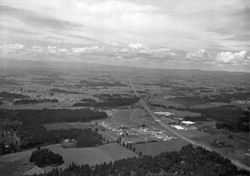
pixel 166 114
pixel 69 143
pixel 187 123
pixel 178 127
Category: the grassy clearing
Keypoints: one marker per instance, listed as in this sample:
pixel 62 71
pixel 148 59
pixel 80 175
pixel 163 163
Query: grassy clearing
pixel 132 118
pixel 13 168
pixel 127 116
pixel 90 155
pixel 237 149
pixel 209 105
pixel 194 133
pixel 184 113
pixel 158 147
pixel 112 137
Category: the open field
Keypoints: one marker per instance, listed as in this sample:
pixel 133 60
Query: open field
pixel 194 133
pixel 156 88
pixel 14 168
pixel 178 113
pixel 108 134
pixel 91 155
pixel 132 118
pixel 162 101
pixel 209 105
pixel 156 148
pixel 236 148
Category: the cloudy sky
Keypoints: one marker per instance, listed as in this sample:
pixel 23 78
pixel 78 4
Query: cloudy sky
pixel 196 34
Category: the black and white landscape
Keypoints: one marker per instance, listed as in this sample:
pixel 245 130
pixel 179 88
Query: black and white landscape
pixel 124 88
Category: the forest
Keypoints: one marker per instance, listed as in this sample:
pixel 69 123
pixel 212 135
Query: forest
pixel 51 115
pixel 222 98
pixel 34 101
pixel 111 101
pixel 28 125
pixel 11 96
pixel 44 157
pixel 89 138
pixel 228 117
pixel 189 161
pixel 36 135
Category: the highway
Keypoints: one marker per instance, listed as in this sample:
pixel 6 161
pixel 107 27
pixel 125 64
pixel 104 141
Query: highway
pixel 176 133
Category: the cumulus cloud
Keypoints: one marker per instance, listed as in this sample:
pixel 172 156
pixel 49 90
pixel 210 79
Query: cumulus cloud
pixel 10 48
pixel 202 53
pixel 131 54
pixel 141 49
pixel 87 49
pixel 37 48
pixel 228 57
pixel 135 46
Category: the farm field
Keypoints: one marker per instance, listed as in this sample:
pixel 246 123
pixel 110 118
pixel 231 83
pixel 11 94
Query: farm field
pixel 209 105
pixel 156 148
pixel 165 102
pixel 184 113
pixel 132 118
pixel 112 137
pixel 236 148
pixel 194 134
pixel 130 124
pixel 128 117
pixel 92 155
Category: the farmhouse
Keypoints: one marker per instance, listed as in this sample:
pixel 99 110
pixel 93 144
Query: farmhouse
pixel 187 123
pixel 178 127
pixel 166 114
pixel 69 143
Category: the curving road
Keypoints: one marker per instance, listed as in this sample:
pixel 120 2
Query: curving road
pixel 176 133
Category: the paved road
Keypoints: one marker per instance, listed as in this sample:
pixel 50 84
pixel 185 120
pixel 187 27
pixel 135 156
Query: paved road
pixel 156 119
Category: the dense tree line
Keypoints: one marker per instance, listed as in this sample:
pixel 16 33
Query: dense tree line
pixel 32 133
pixel 11 96
pixel 112 101
pixel 227 117
pixel 222 98
pixel 101 84
pixel 89 138
pixel 189 161
pixel 28 116
pixel 56 90
pixel 36 135
pixel 44 157
pixel 34 101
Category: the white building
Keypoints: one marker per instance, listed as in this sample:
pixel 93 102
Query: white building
pixel 167 114
pixel 187 123
pixel 178 127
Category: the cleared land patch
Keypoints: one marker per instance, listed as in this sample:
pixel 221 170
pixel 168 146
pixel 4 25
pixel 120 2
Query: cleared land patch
pixel 156 148
pixel 90 155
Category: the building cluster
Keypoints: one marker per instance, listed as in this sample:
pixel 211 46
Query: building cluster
pixel 136 135
pixel 69 143
pixel 176 122
pixel 160 135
